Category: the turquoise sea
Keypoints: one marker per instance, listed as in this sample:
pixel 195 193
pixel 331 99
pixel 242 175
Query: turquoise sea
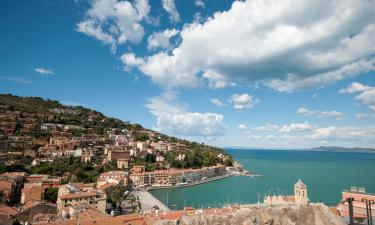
pixel 325 173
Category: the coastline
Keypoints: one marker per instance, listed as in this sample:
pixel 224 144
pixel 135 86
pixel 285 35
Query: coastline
pixel 148 201
pixel 191 184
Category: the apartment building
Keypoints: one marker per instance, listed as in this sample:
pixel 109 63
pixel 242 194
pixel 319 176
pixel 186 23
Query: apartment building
pixel 70 196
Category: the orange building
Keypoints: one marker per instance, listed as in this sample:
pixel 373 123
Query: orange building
pixel 32 193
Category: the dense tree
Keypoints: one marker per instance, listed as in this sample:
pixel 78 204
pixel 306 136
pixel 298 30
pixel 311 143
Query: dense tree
pixel 50 194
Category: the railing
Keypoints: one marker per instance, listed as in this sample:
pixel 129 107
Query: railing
pixel 352 212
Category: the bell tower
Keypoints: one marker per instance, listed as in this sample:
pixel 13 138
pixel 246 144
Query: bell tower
pixel 300 193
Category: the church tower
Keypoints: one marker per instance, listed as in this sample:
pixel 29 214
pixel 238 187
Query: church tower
pixel 300 193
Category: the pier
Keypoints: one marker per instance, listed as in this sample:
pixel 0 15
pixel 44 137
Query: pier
pixel 148 202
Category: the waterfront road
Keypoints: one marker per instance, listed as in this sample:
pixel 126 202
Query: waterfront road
pixel 148 201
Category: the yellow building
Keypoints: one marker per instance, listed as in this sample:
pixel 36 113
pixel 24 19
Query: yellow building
pixel 300 193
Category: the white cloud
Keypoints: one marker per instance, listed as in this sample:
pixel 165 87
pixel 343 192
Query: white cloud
pixel 242 101
pixel 299 44
pixel 295 127
pixel 130 60
pixel 286 128
pixel 175 119
pixel 16 79
pixel 324 133
pixel 243 127
pixel 44 71
pixel 216 80
pixel 308 136
pixel 161 39
pixel 217 102
pixel 115 22
pixel 355 87
pixel 268 127
pixel 366 94
pixel 320 114
pixel 170 7
pixel 199 3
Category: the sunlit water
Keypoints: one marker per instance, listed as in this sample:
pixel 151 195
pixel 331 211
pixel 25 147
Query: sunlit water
pixel 325 173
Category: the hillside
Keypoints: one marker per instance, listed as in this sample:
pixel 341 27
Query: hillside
pixel 51 111
pixel 30 127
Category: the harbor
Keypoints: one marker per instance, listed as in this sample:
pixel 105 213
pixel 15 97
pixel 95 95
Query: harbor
pixel 149 203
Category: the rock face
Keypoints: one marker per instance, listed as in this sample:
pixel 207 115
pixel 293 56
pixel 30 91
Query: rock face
pixel 312 214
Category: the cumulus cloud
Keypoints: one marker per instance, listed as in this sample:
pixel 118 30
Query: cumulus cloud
pixel 217 102
pixel 115 22
pixel 286 128
pixel 324 133
pixel 286 45
pixel 161 39
pixel 268 127
pixel 355 87
pixel 242 101
pixel 199 3
pixel 243 127
pixel 320 114
pixel 130 60
pixel 306 135
pixel 175 119
pixel 295 127
pixel 44 71
pixel 366 94
pixel 170 7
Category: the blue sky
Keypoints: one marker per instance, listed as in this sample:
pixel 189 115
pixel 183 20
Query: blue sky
pixel 255 73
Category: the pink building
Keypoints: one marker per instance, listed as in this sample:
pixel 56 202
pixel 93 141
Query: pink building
pixel 359 197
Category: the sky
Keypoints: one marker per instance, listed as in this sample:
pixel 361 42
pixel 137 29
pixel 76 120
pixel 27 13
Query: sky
pixel 255 73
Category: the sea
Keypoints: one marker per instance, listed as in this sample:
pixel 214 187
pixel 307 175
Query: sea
pixel 326 174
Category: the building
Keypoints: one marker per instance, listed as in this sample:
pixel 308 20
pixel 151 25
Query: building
pixel 7 214
pixel 73 196
pixel 180 157
pixel 142 146
pixel 360 197
pixel 172 177
pixel 42 180
pixel 49 127
pixel 300 193
pixel 10 187
pixel 160 158
pixel 33 211
pixel 31 193
pixel 113 178
pixel 116 154
pixel 122 163
pixel 299 197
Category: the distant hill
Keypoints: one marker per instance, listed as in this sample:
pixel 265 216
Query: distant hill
pixel 342 149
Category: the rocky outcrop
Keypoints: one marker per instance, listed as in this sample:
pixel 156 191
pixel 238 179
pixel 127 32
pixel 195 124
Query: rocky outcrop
pixel 312 214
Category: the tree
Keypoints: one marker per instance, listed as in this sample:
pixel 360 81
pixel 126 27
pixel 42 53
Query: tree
pixel 50 194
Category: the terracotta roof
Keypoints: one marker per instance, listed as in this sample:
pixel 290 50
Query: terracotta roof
pixel 5 184
pixel 106 185
pixel 80 195
pixel 6 210
pixel 28 188
pixel 32 203
pixel 114 173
